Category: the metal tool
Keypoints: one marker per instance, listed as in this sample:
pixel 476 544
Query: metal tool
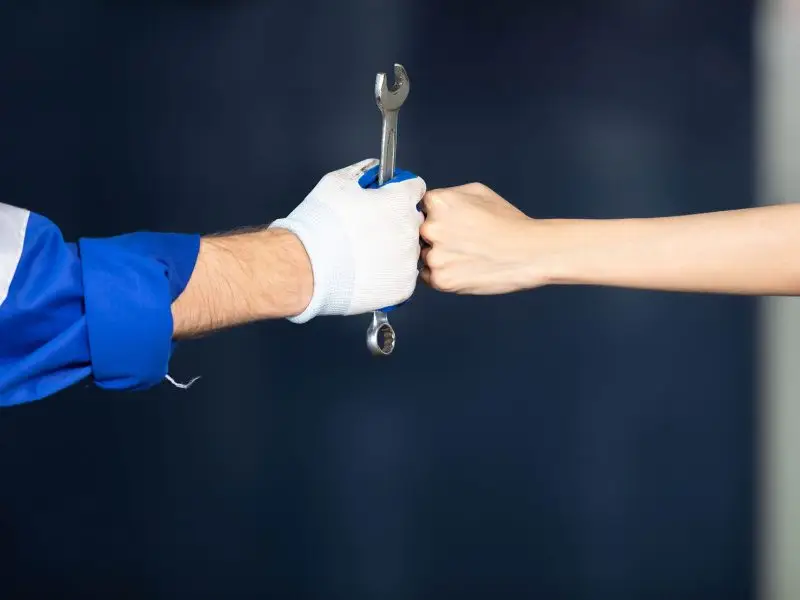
pixel 380 334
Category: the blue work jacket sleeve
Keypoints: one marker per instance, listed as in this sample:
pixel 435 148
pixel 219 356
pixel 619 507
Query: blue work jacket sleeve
pixel 100 308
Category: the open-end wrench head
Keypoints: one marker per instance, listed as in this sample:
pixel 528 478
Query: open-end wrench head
pixel 392 98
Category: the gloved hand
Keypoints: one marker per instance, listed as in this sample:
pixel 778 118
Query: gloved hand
pixel 363 241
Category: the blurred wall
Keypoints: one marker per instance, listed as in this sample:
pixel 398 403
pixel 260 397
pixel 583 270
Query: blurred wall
pixel 778 45
pixel 566 443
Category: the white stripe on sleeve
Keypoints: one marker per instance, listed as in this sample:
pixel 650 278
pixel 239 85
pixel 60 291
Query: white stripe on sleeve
pixel 13 222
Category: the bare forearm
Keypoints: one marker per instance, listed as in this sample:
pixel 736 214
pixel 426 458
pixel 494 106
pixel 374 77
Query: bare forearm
pixel 245 277
pixel 753 251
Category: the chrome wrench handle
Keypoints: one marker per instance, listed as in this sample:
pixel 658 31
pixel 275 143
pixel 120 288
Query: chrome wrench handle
pixel 381 336
pixel 388 145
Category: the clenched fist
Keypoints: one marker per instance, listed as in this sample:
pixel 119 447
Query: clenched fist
pixel 478 242
pixel 481 244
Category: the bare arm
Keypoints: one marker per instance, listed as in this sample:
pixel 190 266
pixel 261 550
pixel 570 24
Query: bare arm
pixel 752 251
pixel 245 277
pixel 110 308
pixel 328 257
pixel 481 244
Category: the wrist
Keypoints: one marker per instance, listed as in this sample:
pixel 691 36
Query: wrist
pixel 329 254
pixel 587 251
pixel 284 253
pixel 267 273
pixel 554 248
pixel 244 277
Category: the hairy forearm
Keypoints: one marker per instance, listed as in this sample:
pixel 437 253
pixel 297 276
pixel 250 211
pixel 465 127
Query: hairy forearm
pixel 241 278
pixel 752 251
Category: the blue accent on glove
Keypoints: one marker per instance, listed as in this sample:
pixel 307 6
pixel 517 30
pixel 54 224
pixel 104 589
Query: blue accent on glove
pixel 369 180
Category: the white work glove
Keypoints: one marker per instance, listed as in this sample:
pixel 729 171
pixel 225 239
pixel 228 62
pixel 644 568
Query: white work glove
pixel 363 243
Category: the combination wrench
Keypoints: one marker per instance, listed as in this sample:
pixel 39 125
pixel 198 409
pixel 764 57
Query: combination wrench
pixel 380 334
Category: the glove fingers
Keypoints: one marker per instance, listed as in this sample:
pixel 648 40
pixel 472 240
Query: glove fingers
pixel 410 189
pixel 356 170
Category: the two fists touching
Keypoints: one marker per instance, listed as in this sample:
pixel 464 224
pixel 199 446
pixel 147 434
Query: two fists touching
pixel 363 246
pixel 351 247
pixel 363 242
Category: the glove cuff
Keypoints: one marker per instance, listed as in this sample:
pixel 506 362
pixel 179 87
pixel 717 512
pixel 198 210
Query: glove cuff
pixel 328 248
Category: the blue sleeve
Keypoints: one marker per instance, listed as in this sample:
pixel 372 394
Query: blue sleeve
pixel 100 308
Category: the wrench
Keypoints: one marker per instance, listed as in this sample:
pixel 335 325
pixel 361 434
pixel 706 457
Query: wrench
pixel 380 334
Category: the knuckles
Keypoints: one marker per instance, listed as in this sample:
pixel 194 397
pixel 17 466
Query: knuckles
pixel 429 230
pixel 438 275
pixel 433 200
pixel 477 188
pixel 434 259
pixel 440 280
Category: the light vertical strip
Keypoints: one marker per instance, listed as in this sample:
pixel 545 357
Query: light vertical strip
pixel 777 37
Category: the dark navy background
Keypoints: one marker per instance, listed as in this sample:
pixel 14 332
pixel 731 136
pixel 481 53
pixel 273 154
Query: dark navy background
pixel 564 443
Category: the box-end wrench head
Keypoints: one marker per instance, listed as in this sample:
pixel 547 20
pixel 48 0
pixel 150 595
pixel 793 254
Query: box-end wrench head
pixel 380 335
